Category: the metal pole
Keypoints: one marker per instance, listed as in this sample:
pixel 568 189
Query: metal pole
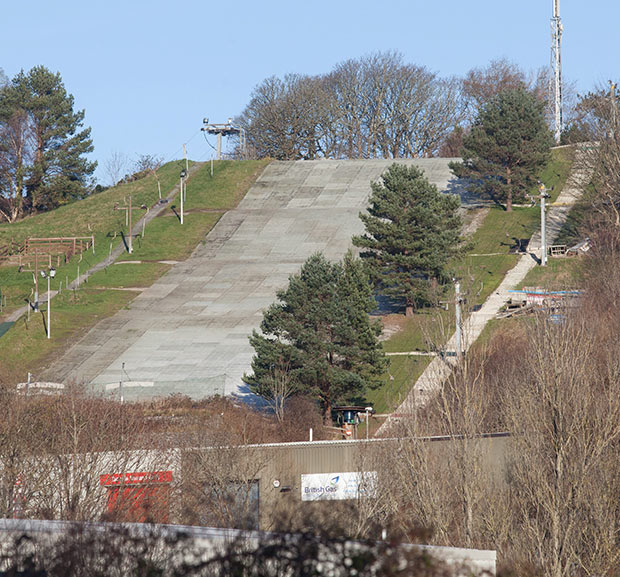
pixel 181 193
pixel 211 165
pixel 120 384
pixel 543 230
pixel 186 161
pixel 367 423
pixel 219 146
pixel 457 312
pixel 130 235
pixel 49 309
pixel 36 280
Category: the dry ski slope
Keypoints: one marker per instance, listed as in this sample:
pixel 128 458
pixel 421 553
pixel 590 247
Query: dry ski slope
pixel 188 333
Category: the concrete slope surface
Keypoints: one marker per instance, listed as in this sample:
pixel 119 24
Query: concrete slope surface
pixel 188 333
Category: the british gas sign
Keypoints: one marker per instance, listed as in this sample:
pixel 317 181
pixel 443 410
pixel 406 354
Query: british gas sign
pixel 338 486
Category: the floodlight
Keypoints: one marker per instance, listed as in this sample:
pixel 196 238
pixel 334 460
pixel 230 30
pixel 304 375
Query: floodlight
pixel 52 272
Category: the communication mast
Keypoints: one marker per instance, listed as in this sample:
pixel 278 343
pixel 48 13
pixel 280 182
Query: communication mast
pixel 556 70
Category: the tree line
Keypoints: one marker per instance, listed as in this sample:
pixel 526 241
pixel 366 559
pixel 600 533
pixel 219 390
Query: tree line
pixel 376 106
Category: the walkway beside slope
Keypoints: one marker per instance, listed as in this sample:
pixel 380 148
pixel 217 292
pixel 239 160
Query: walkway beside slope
pixel 188 333
pixel 439 369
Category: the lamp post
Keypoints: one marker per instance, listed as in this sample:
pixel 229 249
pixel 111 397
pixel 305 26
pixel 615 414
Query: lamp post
pixel 50 274
pixel 183 177
pixel 36 281
pixel 368 411
pixel 543 230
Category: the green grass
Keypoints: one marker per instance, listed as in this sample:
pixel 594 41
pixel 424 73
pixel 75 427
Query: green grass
pixel 559 274
pixel 405 372
pixel 129 275
pixel 490 257
pixel 218 191
pixel 166 239
pixel 418 331
pixel 74 312
pixel 94 215
pixel 26 348
pixel 482 269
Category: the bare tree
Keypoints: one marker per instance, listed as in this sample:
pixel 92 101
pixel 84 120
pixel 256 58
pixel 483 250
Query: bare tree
pixel 115 167
pixel 147 163
pixel 480 85
pixel 54 451
pixel 17 149
pixel 221 486
pixel 375 106
pixel 564 410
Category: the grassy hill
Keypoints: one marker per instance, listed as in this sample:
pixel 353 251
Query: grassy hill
pixel 482 269
pixel 25 348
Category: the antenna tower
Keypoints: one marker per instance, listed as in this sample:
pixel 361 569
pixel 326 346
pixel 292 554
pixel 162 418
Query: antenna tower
pixel 556 70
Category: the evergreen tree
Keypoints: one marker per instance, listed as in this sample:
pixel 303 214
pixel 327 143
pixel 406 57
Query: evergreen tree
pixel 55 170
pixel 412 230
pixel 320 336
pixel 506 147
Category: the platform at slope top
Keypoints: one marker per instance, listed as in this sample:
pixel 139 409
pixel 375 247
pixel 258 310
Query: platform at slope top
pixel 188 333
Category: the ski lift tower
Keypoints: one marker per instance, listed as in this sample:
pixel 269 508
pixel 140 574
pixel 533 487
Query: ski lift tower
pixel 556 71
pixel 221 130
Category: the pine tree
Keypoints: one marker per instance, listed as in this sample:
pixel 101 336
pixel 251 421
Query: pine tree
pixel 319 336
pixel 506 147
pixel 57 171
pixel 412 230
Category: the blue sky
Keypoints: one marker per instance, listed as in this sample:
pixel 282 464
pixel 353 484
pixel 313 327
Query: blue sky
pixel 147 72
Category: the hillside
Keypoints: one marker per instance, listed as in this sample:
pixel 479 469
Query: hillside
pixel 188 333
pixel 25 348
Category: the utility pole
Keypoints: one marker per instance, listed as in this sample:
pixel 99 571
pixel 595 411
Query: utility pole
pixel 127 210
pixel 458 319
pixel 129 231
pixel 556 71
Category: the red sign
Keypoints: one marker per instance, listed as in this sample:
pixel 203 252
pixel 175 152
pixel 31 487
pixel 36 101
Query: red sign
pixel 144 478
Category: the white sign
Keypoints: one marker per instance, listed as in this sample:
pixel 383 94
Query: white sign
pixel 338 486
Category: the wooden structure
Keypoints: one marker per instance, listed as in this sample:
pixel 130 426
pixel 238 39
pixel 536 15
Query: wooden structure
pixel 50 250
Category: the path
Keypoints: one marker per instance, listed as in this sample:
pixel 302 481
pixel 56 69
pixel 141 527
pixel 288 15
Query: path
pixel 439 369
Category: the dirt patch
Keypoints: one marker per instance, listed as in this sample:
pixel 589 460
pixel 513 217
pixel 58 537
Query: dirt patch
pixel 392 324
pixel 473 220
